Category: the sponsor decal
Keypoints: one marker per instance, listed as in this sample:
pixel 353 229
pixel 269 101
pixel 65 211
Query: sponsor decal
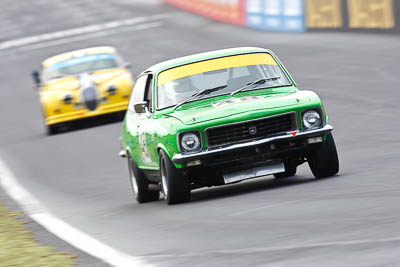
pixel 324 14
pixel 215 64
pixel 231 11
pixel 237 100
pixel 375 14
pixel 299 15
pixel 276 15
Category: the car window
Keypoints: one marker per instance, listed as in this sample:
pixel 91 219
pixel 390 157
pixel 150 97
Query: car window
pixel 138 91
pixel 149 92
pixel 234 72
pixel 240 72
pixel 202 81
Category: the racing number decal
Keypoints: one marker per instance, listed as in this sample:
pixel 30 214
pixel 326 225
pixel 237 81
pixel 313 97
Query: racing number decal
pixel 144 153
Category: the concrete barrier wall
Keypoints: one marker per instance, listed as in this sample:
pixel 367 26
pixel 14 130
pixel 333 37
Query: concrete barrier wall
pixel 302 15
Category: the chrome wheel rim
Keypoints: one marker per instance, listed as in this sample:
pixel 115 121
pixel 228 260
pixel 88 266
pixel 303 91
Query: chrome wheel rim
pixel 164 179
pixel 133 178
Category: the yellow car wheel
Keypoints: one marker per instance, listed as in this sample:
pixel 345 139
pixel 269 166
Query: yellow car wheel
pixel 52 129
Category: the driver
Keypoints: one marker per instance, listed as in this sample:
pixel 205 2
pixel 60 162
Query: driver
pixel 177 91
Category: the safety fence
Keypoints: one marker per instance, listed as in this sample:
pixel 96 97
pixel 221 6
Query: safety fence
pixel 301 15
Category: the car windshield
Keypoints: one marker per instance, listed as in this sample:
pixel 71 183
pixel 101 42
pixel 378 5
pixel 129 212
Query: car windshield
pixel 77 65
pixel 227 74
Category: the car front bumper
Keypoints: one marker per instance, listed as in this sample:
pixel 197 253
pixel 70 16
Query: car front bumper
pixel 185 158
pixel 84 113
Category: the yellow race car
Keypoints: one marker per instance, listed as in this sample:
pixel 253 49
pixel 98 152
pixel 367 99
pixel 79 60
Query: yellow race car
pixel 81 84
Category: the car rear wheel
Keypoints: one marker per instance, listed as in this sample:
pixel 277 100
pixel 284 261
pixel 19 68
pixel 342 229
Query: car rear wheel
pixel 140 184
pixel 174 184
pixel 324 160
pixel 290 170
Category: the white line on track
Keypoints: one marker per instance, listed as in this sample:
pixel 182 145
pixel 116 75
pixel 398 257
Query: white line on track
pixel 92 36
pixel 35 210
pixel 78 31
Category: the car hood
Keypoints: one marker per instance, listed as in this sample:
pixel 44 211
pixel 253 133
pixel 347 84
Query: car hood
pixel 73 82
pixel 237 105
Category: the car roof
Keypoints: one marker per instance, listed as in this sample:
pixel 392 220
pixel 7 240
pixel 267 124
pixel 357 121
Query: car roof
pixel 68 55
pixel 204 56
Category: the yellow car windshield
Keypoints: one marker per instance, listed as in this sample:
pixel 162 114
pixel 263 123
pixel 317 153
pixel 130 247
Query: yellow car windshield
pixel 77 65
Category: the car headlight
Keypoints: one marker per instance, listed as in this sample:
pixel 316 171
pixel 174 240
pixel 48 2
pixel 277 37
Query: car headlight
pixel 112 90
pixel 190 141
pixel 67 99
pixel 312 120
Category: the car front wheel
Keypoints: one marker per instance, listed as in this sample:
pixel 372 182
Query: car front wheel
pixel 52 129
pixel 140 184
pixel 174 184
pixel 324 160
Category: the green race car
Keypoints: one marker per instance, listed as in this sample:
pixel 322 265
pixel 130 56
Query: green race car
pixel 218 118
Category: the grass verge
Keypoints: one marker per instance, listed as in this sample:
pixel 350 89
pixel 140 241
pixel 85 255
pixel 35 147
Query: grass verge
pixel 19 248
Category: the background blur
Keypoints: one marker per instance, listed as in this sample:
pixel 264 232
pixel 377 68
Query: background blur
pixel 348 52
pixel 301 15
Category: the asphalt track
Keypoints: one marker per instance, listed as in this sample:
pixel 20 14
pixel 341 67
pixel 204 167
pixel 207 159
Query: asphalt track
pixel 352 219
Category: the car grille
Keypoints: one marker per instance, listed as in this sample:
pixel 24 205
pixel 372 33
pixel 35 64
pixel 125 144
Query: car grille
pixel 89 95
pixel 250 130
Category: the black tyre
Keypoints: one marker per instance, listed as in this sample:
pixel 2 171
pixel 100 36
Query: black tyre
pixel 290 170
pixel 140 184
pixel 324 160
pixel 174 184
pixel 51 129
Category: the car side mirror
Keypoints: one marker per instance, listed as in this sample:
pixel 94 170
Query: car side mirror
pixel 36 77
pixel 141 107
pixel 127 65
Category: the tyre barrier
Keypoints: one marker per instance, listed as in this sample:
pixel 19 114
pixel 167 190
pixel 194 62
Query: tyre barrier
pixel 380 16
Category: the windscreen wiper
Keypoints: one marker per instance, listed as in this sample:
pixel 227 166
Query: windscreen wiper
pixel 200 93
pixel 58 77
pixel 256 82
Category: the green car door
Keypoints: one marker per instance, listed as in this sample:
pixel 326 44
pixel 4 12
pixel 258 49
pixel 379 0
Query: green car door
pixel 137 121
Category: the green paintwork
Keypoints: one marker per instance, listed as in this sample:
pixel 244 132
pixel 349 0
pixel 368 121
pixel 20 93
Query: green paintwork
pixel 160 128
